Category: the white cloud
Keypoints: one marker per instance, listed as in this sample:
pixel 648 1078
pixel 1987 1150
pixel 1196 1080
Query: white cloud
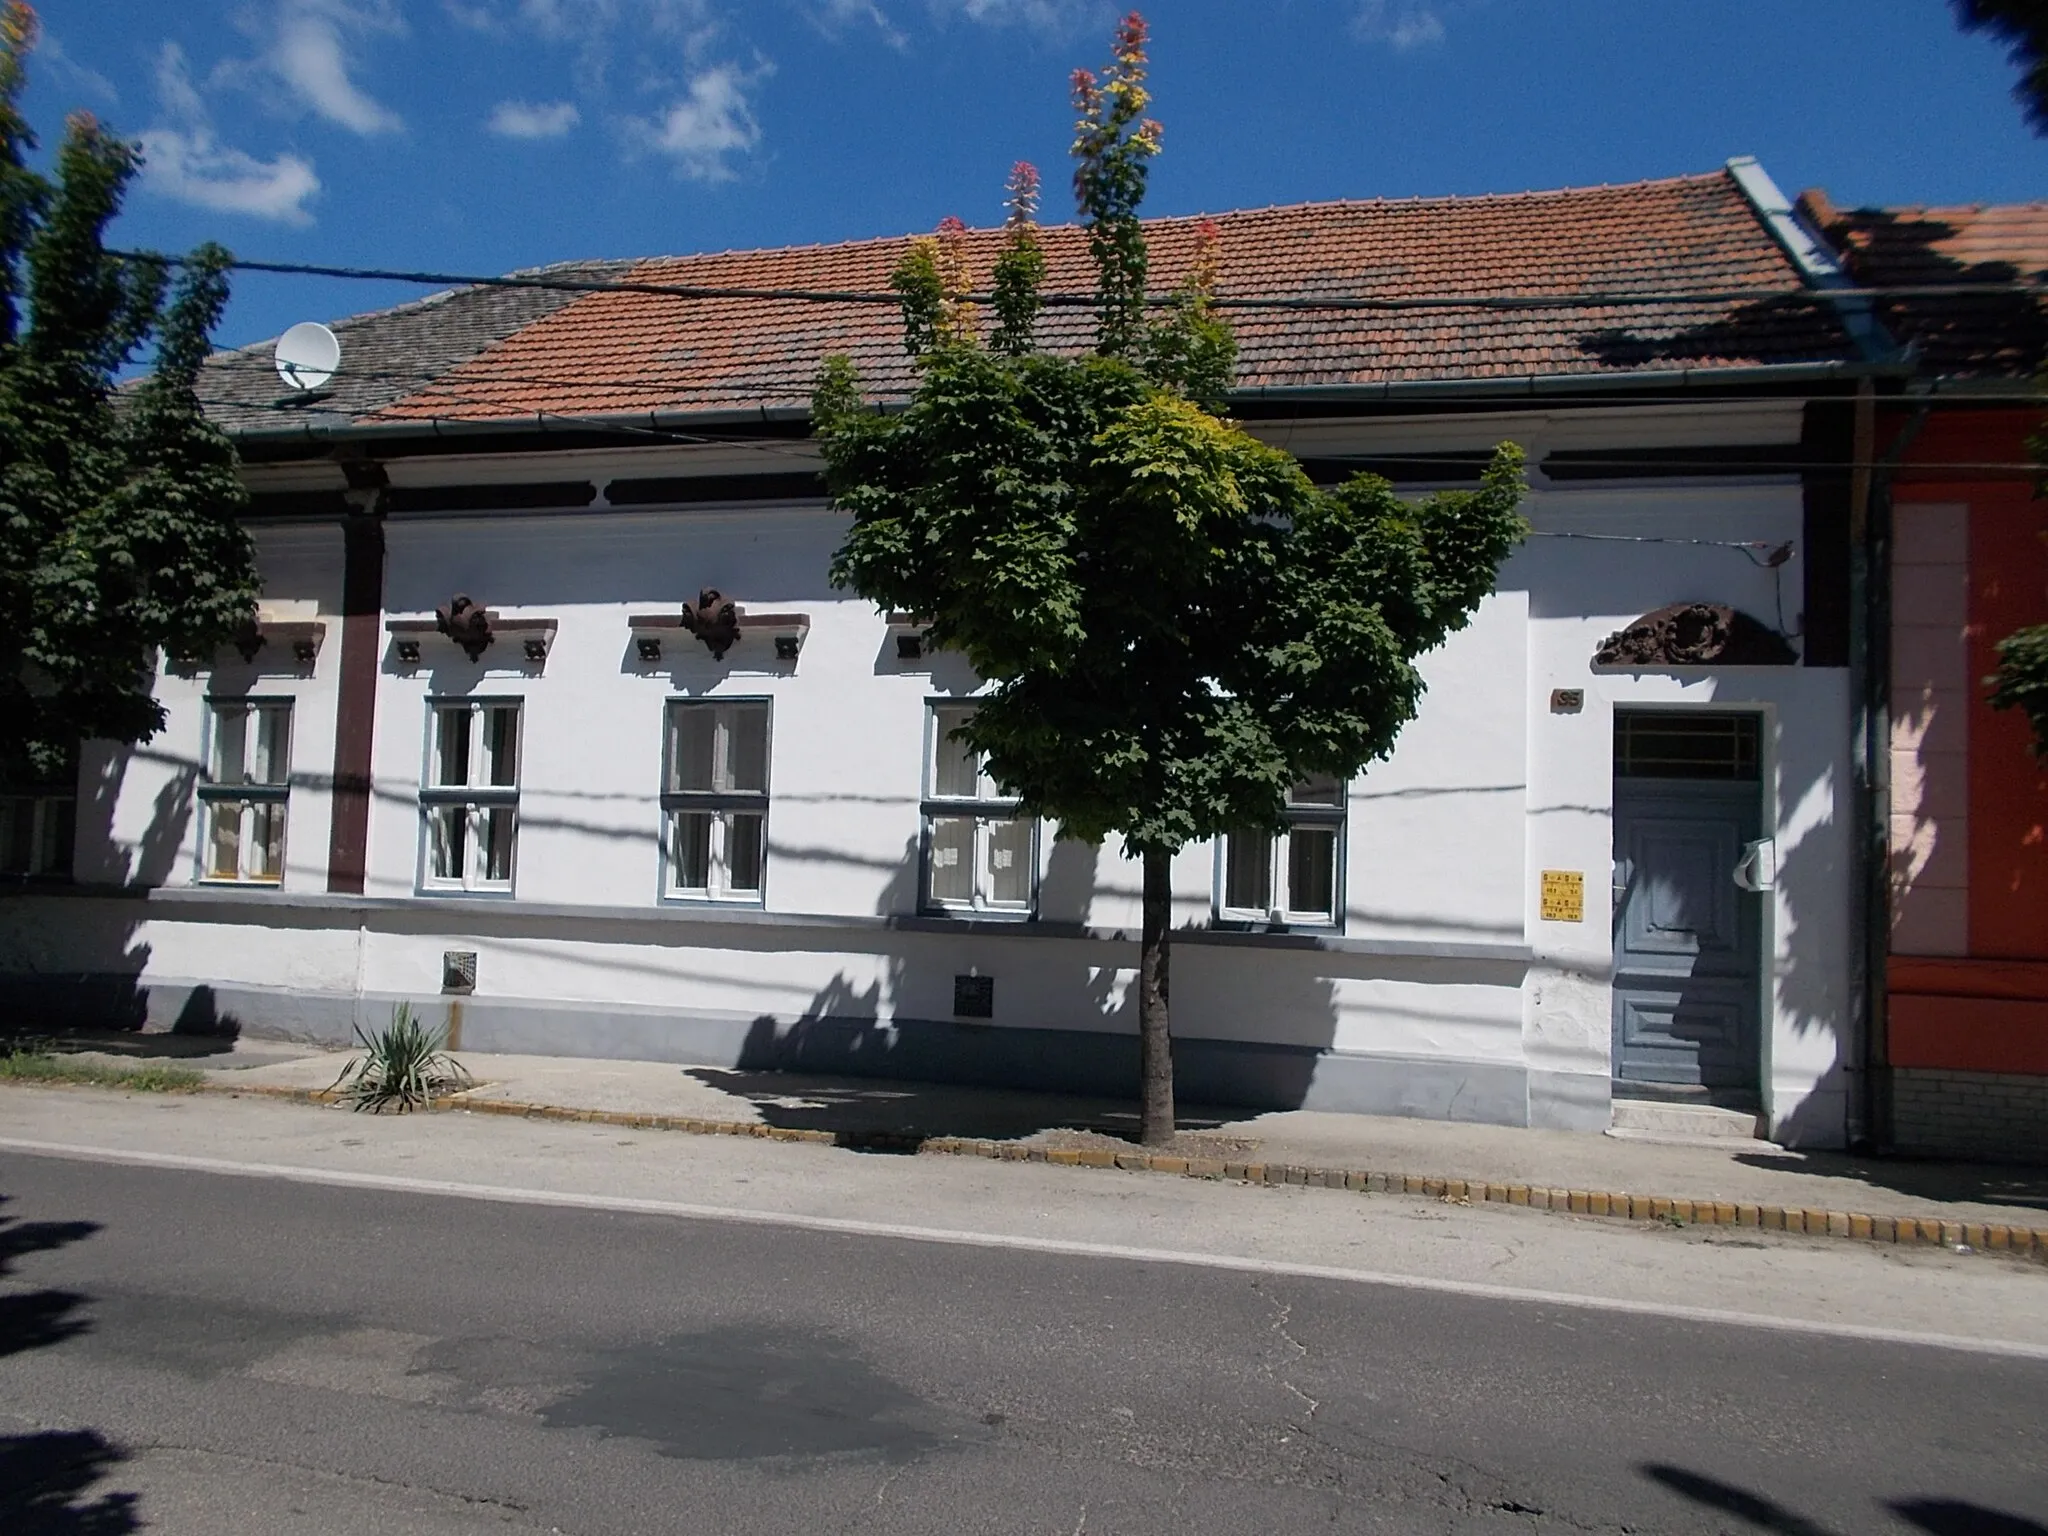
pixel 191 166
pixel 185 161
pixel 478 18
pixel 309 48
pixel 533 120
pixel 1061 17
pixel 1400 24
pixel 833 15
pixel 711 123
pixel 51 52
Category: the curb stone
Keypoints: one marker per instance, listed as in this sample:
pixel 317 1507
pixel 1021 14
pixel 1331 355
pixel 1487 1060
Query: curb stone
pixel 1904 1231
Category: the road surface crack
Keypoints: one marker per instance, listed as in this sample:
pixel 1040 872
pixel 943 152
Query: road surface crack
pixel 1283 1312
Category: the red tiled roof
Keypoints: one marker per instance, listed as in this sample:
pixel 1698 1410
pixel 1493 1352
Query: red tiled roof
pixel 618 352
pixel 1967 335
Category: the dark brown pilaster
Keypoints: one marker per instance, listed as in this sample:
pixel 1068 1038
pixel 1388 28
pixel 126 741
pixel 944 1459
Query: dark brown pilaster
pixel 362 637
pixel 1828 441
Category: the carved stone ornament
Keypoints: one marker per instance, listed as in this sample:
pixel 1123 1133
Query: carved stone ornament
pixel 714 619
pixel 466 623
pixel 1695 635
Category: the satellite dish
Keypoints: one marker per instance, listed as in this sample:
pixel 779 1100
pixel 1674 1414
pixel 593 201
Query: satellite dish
pixel 307 355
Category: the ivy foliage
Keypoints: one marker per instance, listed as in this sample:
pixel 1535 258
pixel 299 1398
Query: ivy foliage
pixel 2021 681
pixel 1176 624
pixel 118 530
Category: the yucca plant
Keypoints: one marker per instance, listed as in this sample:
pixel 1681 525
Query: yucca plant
pixel 403 1067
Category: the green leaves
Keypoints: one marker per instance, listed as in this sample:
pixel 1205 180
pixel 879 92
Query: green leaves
pixel 118 509
pixel 2021 681
pixel 404 1066
pixel 1174 624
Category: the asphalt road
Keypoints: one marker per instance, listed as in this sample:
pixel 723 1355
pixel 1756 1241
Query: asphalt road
pixel 190 1352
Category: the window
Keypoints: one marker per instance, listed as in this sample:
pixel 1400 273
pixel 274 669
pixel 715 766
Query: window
pixel 1651 744
pixel 1288 877
pixel 470 800
pixel 246 791
pixel 980 855
pixel 715 800
pixel 37 830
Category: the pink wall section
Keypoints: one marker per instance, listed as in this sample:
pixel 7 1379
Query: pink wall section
pixel 1969 833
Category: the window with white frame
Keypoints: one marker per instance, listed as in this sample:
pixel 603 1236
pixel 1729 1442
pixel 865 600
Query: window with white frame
pixel 470 798
pixel 246 791
pixel 37 830
pixel 980 855
pixel 1288 877
pixel 715 799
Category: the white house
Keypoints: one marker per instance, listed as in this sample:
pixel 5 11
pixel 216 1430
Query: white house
pixel 1576 878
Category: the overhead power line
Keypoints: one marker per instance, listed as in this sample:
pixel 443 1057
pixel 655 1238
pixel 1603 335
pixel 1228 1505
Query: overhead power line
pixel 1489 301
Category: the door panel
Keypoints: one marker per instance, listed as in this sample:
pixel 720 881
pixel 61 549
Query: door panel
pixel 1687 939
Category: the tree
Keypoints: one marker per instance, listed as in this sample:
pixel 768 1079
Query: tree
pixel 1175 626
pixel 2023 26
pixel 2021 681
pixel 118 530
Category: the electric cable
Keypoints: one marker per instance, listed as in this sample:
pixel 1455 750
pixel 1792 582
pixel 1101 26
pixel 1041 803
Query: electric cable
pixel 1616 299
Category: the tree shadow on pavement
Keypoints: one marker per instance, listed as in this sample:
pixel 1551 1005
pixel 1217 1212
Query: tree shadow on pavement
pixel 1762 1513
pixel 1959 1517
pixel 1937 1517
pixel 898 1115
pixel 45 1481
pixel 44 1477
pixel 39 1318
pixel 1981 1183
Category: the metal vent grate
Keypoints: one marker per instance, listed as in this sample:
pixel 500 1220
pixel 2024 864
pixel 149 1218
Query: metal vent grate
pixel 1659 745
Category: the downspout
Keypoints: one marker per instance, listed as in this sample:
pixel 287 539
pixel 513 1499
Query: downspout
pixel 1870 1113
pixel 1867 1113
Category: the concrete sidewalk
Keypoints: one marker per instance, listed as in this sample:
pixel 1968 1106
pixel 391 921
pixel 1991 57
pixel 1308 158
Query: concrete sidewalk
pixel 1739 1183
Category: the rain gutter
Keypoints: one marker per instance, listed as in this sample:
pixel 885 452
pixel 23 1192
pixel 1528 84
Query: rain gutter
pixel 1530 386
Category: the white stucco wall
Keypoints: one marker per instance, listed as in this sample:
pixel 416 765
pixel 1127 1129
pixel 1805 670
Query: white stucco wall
pixel 137 819
pixel 1445 842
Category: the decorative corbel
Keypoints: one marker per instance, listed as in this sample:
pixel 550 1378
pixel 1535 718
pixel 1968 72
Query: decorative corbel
pixel 714 619
pixel 466 623
pixel 1695 635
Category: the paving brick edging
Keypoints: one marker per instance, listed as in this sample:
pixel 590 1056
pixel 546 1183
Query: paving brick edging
pixel 1915 1231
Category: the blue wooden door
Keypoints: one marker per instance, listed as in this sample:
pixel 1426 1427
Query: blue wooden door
pixel 1687 941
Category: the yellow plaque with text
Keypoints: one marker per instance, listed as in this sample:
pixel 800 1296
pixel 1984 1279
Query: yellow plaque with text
pixel 1564 896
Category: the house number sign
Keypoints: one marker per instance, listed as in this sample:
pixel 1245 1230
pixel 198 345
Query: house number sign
pixel 1564 896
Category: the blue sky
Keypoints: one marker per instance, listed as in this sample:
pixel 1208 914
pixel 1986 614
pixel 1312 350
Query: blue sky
pixel 484 135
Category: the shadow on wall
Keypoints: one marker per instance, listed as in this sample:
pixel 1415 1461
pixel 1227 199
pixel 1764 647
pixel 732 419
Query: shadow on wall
pixel 48 993
pixel 60 1001
pixel 1816 888
pixel 1937 1517
pixel 1075 1066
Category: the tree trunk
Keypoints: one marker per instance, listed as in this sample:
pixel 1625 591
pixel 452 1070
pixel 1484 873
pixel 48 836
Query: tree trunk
pixel 1155 1035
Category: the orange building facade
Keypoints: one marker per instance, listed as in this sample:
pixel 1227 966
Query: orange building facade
pixel 1961 1041
pixel 1967 1021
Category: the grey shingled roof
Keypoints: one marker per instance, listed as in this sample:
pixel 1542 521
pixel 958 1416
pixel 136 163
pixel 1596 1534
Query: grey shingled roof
pixel 387 354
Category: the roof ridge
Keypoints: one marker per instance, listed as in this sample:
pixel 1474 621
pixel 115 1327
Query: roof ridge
pixel 2036 205
pixel 1312 205
pixel 438 296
